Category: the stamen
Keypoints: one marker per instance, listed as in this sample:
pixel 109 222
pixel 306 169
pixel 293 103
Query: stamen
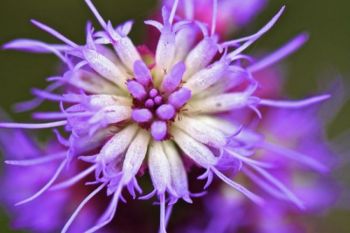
pixel 141 115
pixel 166 112
pixel 159 130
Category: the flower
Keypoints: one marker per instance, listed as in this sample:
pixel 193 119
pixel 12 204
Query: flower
pixel 126 109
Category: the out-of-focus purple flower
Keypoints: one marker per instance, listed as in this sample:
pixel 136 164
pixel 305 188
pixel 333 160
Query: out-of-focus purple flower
pixel 47 212
pixel 125 112
pixel 234 14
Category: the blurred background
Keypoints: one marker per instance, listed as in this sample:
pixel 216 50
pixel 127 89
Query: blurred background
pixel 325 57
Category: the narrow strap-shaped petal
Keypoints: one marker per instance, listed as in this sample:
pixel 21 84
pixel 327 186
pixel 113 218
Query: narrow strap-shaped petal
pixel 214 16
pixel 33 125
pixel 96 13
pixel 279 54
pixel 249 160
pixel 258 200
pixel 80 207
pixel 257 35
pixel 31 104
pixel 47 186
pixel 75 179
pixel 59 115
pixel 39 47
pixel 294 104
pixel 107 217
pixel 162 224
pixel 54 33
pixel 294 155
pixel 37 161
pixel 291 196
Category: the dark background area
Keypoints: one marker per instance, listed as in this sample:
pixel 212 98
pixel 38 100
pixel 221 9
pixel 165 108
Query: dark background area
pixel 325 57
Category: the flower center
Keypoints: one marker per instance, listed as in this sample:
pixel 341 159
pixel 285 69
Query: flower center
pixel 156 108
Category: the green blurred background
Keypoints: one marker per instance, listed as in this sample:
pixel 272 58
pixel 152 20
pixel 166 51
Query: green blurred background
pixel 326 56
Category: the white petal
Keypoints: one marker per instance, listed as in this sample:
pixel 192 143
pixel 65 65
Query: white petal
pixel 135 155
pixel 194 149
pixel 91 82
pixel 105 67
pixel 101 101
pixel 219 103
pixel 117 144
pixel 184 41
pixel 111 114
pixel 206 77
pixel 165 52
pixel 177 169
pixel 230 128
pixel 201 131
pixel 159 167
pixel 127 52
pixel 229 80
pixel 225 126
pixel 86 143
pixel 200 56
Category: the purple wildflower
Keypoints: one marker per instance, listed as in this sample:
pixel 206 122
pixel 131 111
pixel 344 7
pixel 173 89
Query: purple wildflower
pixel 234 14
pixel 47 212
pixel 124 112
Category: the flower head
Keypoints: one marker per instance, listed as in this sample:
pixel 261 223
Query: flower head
pixel 125 110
